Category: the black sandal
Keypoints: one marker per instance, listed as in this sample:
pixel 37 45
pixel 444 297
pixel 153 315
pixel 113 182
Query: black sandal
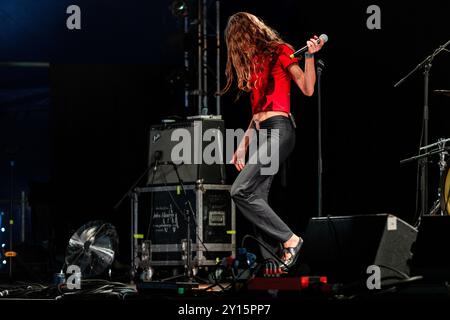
pixel 294 252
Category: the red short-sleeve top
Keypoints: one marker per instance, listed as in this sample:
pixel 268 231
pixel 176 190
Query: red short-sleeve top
pixel 272 82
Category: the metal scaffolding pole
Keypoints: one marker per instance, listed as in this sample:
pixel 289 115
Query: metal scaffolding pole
pixel 204 57
pixel 218 111
pixel 204 91
pixel 199 59
pixel 186 62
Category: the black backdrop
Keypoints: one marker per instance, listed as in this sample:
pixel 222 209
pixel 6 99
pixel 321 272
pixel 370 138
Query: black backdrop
pixel 116 79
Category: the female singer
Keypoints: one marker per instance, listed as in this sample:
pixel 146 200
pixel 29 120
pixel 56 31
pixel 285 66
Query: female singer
pixel 260 60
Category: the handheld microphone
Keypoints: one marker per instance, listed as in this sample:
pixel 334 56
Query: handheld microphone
pixel 323 37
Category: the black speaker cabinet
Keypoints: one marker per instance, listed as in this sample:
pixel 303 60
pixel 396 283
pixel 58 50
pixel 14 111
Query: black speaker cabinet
pixel 342 247
pixel 196 134
pixel 431 257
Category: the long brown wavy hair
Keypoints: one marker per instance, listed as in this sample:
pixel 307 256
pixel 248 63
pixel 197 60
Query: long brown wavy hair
pixel 247 37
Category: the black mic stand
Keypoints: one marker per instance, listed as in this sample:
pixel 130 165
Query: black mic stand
pixel 157 157
pixel 188 275
pixel 134 185
pixel 133 198
pixel 426 65
pixel 320 67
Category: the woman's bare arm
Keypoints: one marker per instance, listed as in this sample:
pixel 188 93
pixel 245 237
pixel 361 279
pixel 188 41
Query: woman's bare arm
pixel 306 80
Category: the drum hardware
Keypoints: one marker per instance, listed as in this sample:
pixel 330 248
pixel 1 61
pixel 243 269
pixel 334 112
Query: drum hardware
pixel 442 92
pixel 445 191
pixel 441 147
pixel 425 66
pixel 442 205
pixel 439 207
pixel 442 167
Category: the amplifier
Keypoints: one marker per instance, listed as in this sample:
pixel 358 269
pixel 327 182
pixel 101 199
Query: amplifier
pixel 161 224
pixel 190 133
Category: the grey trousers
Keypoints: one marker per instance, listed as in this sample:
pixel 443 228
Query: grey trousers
pixel 250 190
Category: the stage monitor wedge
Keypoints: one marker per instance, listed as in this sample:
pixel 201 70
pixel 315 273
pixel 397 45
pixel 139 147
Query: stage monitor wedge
pixel 343 247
